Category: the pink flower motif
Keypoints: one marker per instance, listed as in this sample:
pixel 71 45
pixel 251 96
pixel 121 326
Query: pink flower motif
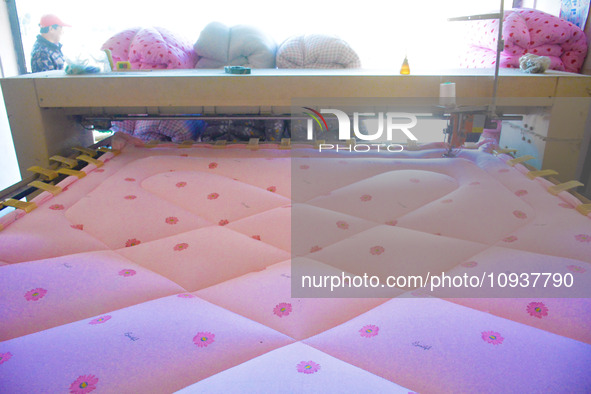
pixel 469 264
pixel 127 272
pixel 100 320
pixel 186 295
pixel 365 198
pixel 171 220
pixel 84 384
pixel 282 309
pixel 272 189
pixel 343 225
pixel 519 214
pixel 521 192
pixel 414 180
pixel 181 246
pixel 304 167
pixel 56 207
pixel 204 339
pixel 510 239
pixel 492 337
pixel 35 294
pixel 213 165
pixel 77 226
pixel 212 196
pixel 129 179
pixel 537 309
pixel 392 222
pixel 376 250
pixel 308 367
pixel 583 238
pixel 577 269
pixel 99 170
pixel 315 248
pixel 369 331
pixel 181 184
pixel 4 357
pixel 132 242
pixel 566 205
pixel 223 222
pixel 257 237
pixel 130 197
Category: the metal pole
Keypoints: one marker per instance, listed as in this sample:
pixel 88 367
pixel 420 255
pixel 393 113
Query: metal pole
pixel 500 48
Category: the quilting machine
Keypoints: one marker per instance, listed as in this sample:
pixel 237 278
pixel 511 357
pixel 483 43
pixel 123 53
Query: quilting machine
pixel 51 112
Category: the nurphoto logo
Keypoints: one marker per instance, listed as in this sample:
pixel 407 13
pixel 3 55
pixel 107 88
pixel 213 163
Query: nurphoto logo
pixel 394 122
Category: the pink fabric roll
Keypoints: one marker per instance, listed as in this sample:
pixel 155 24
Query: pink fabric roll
pixel 151 48
pixel 526 31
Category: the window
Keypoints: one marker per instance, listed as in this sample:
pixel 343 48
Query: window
pixel 382 33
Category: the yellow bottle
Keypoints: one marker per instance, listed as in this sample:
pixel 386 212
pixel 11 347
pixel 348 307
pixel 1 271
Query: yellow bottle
pixel 405 69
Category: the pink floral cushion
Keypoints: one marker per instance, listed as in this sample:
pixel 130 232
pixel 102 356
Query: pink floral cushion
pixel 151 48
pixel 527 31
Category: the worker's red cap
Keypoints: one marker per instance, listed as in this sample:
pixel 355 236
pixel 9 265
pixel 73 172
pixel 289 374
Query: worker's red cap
pixel 50 20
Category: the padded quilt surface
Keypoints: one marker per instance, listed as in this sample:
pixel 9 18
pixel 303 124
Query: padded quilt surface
pixel 172 269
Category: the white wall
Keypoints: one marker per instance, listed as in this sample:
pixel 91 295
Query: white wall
pixel 9 173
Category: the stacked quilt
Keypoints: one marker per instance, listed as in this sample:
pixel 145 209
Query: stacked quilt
pixel 317 51
pixel 151 48
pixel 220 45
pixel 526 31
pixel 171 268
pixel 176 131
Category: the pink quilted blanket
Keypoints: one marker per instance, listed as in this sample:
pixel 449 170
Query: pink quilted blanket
pixel 172 268
pixel 151 48
pixel 526 31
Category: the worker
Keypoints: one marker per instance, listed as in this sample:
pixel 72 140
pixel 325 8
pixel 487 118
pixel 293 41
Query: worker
pixel 47 50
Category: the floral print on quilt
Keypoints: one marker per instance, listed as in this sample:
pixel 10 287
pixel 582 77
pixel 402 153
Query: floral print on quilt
pixel 151 48
pixel 173 268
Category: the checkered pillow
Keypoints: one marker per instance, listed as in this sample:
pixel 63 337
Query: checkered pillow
pixel 316 51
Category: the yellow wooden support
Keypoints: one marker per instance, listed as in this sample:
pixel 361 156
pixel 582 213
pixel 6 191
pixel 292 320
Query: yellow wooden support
pixel 540 173
pixel 70 163
pixel 24 205
pixel 563 187
pixel 506 151
pixel 76 173
pixel 518 160
pixel 55 190
pixel 285 143
pixel 90 160
pixel 49 174
pixel 585 209
pixel 85 151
